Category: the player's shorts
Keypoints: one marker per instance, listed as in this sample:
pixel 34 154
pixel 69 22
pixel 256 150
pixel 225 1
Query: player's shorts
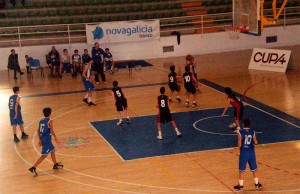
pixel 47 147
pixel 174 87
pixel 17 121
pixel 190 88
pixel 121 104
pixel 238 113
pixel 164 117
pixel 108 64
pixel 89 86
pixel 247 156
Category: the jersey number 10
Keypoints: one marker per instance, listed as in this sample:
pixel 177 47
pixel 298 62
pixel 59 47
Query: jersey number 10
pixel 248 139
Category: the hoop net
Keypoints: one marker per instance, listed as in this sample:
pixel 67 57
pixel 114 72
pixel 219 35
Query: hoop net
pixel 234 32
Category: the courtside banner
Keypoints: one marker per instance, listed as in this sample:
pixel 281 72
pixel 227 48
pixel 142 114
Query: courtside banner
pixel 270 59
pixel 124 31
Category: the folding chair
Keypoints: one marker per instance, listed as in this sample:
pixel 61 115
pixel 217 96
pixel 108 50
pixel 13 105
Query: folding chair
pixel 35 65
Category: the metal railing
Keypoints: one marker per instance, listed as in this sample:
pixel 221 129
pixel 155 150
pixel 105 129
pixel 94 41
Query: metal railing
pixel 75 33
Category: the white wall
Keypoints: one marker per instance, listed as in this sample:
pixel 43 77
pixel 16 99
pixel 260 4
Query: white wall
pixel 190 44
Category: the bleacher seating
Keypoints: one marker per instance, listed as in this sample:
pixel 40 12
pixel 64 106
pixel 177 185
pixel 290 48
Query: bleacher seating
pixel 57 19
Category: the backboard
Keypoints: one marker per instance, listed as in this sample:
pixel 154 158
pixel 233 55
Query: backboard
pixel 246 13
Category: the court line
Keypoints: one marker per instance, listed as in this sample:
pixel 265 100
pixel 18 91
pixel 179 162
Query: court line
pixel 194 125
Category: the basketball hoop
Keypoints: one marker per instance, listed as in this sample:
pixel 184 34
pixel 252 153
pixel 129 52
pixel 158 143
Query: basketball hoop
pixel 234 32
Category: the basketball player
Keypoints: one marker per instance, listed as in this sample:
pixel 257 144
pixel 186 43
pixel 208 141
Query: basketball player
pixel 85 57
pixel 246 141
pixel 88 82
pixel 15 114
pixel 190 86
pixel 164 114
pixel 238 109
pixel 190 61
pixel 121 102
pixel 45 131
pixel 109 61
pixel 173 85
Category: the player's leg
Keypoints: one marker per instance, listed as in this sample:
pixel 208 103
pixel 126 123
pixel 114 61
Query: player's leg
pixel 253 168
pixel 103 78
pixel 90 95
pixel 24 135
pixel 120 117
pixel 187 101
pixel 243 159
pixel 125 106
pixel 176 129
pixel 33 168
pixel 16 139
pixel 85 99
pixel 177 92
pixel 194 97
pixel 56 165
pixel 159 131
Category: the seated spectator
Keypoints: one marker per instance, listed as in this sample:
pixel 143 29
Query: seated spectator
pixel 54 65
pixel 109 61
pixel 85 57
pixel 66 63
pixel 76 61
pixel 55 52
pixel 27 58
pixel 13 63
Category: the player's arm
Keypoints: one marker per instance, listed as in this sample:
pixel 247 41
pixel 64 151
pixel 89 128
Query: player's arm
pixel 52 131
pixel 112 62
pixel 39 137
pixel 239 140
pixel 16 107
pixel 84 72
pixel 226 107
pixel 254 139
pixel 157 106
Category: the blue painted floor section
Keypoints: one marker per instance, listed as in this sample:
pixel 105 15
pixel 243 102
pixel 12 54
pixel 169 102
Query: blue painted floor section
pixel 201 129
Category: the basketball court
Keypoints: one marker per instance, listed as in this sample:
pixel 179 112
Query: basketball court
pixel 101 157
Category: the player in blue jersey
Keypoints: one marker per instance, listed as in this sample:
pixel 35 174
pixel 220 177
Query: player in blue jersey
pixel 246 141
pixel 164 114
pixel 85 57
pixel 15 114
pixel 45 132
pixel 88 82
pixel 121 102
pixel 109 61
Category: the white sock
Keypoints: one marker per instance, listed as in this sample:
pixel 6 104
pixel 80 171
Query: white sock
pixel 177 97
pixel 241 182
pixel 86 96
pixel 256 180
pixel 177 131
pixel 187 100
pixel 159 134
pixel 194 102
pixel 89 99
pixel 120 120
pixel 238 128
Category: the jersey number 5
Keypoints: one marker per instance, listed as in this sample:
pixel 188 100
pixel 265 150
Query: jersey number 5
pixel 118 93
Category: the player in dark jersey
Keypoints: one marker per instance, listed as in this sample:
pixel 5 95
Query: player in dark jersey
pixel 121 102
pixel 190 86
pixel 238 109
pixel 173 85
pixel 45 132
pixel 246 141
pixel 85 57
pixel 164 114
pixel 88 82
pixel 15 114
pixel 190 61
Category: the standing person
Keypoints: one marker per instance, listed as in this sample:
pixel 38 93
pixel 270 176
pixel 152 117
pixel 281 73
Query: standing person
pixel 164 114
pixel 190 86
pixel 45 132
pixel 109 61
pixel 88 82
pixel 246 141
pixel 121 102
pixel 173 85
pixel 238 109
pixel 190 61
pixel 13 63
pixel 97 55
pixel 15 114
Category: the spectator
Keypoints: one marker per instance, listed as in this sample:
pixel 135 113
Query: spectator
pixel 27 58
pixel 76 61
pixel 13 63
pixel 54 65
pixel 55 52
pixel 97 55
pixel 66 65
pixel 109 61
pixel 85 57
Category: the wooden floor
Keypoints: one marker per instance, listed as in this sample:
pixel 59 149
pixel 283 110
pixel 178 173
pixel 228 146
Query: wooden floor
pixel 96 168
